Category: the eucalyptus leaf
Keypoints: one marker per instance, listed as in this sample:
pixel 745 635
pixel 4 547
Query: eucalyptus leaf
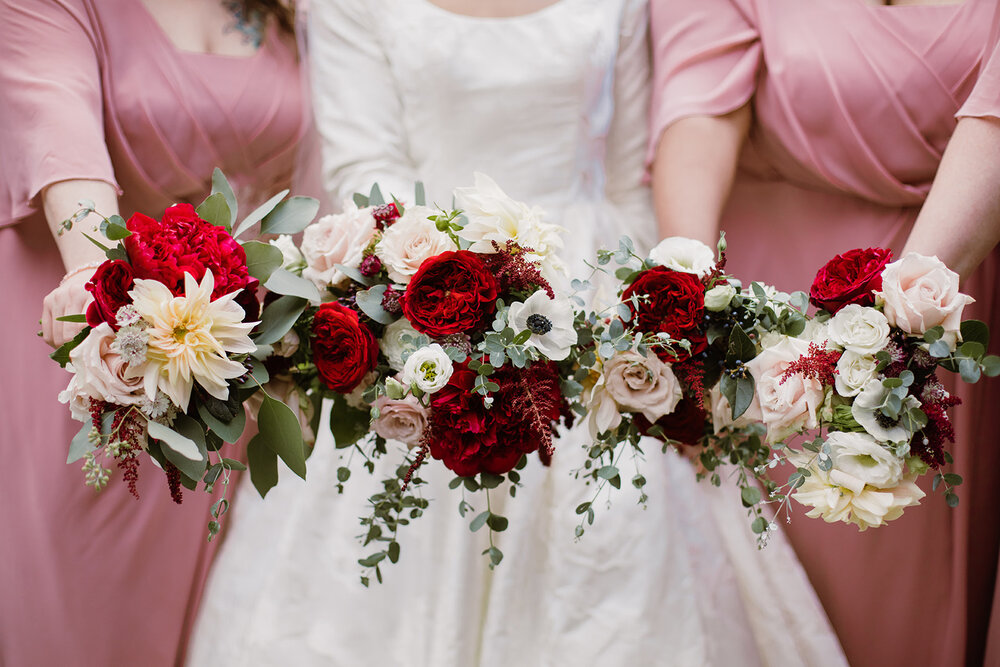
pixel 229 431
pixel 181 449
pixel 289 284
pixel 370 303
pixel 115 228
pixel 216 211
pixel 939 349
pixel 969 370
pixel 419 195
pixel 934 334
pixel 220 185
pixel 262 259
pixel 354 274
pixel 290 216
pixel 263 464
pixel 750 496
pixel 975 331
pixel 375 197
pixel 278 318
pixel 259 213
pixel 280 430
pixel 80 444
pixel 991 366
pixel 972 349
pixel 479 521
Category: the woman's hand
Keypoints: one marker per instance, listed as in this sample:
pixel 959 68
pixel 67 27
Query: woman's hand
pixel 69 298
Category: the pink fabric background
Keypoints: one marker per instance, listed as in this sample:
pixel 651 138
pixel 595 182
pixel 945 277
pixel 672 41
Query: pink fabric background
pixel 94 89
pixel 852 107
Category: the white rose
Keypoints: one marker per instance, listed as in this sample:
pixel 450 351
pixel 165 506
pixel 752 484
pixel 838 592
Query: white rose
pixel 865 507
pixel 642 384
pixel 493 216
pixel 859 460
pixel 859 329
pixel 409 241
pixel 920 293
pixel 428 369
pixel 854 371
pixel 401 420
pixel 683 254
pixel 336 239
pixel 99 373
pixel 399 339
pixel 550 322
pixel 789 406
pixel 603 413
pixel 718 298
pixel 291 259
pixel 866 411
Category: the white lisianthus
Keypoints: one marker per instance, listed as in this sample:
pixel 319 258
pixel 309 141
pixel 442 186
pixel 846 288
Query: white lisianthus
pixel 400 339
pixel 854 371
pixel 859 460
pixel 717 299
pixel 336 239
pixel 866 412
pixel 291 258
pixel 550 322
pixel 685 255
pixel 409 241
pixel 859 329
pixel 919 293
pixel 428 369
pixel 190 337
pixel 838 496
pixel 493 216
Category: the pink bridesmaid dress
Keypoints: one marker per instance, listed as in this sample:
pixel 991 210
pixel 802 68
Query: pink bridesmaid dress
pixel 94 89
pixel 852 106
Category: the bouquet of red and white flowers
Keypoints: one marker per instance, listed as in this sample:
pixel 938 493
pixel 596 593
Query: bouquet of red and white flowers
pixel 441 331
pixel 171 352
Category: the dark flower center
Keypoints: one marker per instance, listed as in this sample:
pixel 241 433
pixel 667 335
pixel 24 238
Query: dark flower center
pixel 539 324
pixel 885 421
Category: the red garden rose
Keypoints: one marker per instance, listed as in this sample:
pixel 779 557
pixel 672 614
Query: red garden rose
pixel 344 350
pixel 184 243
pixel 672 302
pixel 109 286
pixel 849 278
pixel 686 424
pixel 471 438
pixel 451 293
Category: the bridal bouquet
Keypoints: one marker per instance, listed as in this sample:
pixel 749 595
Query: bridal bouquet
pixel 439 331
pixel 863 380
pixel 170 359
pixel 667 358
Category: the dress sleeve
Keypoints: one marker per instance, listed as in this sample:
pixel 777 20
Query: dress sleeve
pixel 356 101
pixel 985 98
pixel 706 58
pixel 51 110
pixel 626 189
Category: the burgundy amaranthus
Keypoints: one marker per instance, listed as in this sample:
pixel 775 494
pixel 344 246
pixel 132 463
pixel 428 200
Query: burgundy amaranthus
pixel 174 482
pixel 818 363
pixel 929 443
pixel 691 375
pixel 513 271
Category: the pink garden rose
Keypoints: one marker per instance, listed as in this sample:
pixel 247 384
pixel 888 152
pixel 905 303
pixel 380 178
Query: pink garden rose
pixel 920 293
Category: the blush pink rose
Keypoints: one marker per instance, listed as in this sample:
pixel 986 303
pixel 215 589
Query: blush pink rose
pixel 402 420
pixel 101 374
pixel 784 407
pixel 920 293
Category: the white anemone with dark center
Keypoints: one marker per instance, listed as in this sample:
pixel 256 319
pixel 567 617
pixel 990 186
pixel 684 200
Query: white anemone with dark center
pixel 550 322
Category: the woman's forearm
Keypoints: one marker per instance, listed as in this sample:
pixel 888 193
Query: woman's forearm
pixel 960 221
pixel 693 173
pixel 60 201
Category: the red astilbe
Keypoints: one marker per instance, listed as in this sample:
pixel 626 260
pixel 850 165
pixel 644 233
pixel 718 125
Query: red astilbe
pixel 127 430
pixel 538 399
pixel 714 276
pixel 691 375
pixel 514 271
pixel 174 482
pixel 818 363
pixel 929 443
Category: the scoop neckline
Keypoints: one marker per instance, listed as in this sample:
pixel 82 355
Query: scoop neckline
pixel 225 57
pixel 494 19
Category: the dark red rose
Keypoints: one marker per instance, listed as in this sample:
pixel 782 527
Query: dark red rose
pixel 451 293
pixel 184 243
pixel 671 302
pixel 109 286
pixel 849 278
pixel 344 350
pixel 686 424
pixel 471 438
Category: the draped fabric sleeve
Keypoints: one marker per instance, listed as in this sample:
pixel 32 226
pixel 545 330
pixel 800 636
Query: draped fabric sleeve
pixel 625 166
pixel 356 100
pixel 985 98
pixel 51 109
pixel 706 59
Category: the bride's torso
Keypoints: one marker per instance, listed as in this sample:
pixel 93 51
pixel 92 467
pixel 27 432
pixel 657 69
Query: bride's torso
pixel 526 99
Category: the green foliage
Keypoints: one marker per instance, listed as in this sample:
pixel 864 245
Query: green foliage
pixel 281 433
pixel 278 318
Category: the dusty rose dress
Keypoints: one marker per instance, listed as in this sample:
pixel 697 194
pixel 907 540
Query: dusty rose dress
pixel 95 89
pixel 853 105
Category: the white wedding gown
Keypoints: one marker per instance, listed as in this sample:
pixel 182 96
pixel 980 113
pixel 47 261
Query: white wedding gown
pixel 552 106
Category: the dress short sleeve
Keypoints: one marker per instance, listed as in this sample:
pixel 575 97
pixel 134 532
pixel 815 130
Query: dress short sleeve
pixel 985 97
pixel 51 117
pixel 706 58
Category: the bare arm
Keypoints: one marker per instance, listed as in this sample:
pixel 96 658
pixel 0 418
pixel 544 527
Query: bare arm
pixel 960 221
pixel 693 173
pixel 60 201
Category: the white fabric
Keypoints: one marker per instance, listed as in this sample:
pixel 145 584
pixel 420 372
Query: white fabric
pixel 552 106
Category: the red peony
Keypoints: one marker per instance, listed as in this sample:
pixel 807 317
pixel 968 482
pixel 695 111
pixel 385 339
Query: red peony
pixel 451 293
pixel 671 302
pixel 344 350
pixel 109 286
pixel 184 243
pixel 849 278
pixel 686 424
pixel 471 438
